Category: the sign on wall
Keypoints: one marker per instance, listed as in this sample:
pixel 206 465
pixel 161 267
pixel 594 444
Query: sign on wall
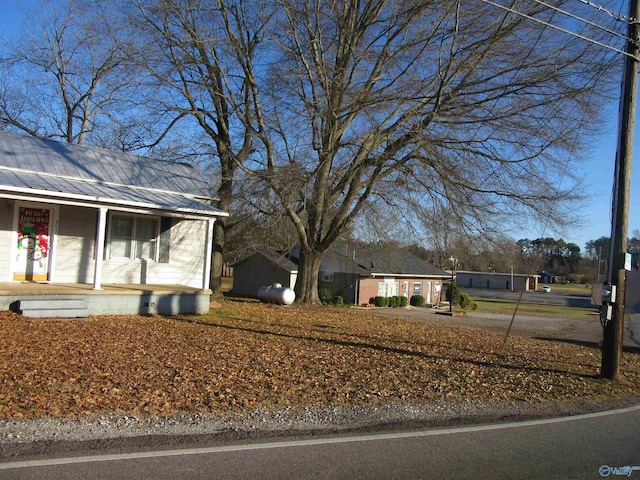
pixel 32 259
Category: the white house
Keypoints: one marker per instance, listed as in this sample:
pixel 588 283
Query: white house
pixel 71 214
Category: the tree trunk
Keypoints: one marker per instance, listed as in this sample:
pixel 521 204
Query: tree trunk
pixel 308 270
pixel 217 259
pixel 225 193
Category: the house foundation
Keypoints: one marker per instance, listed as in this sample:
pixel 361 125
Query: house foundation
pixel 116 299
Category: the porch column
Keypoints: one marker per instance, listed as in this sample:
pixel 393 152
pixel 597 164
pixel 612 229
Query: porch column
pixel 100 235
pixel 206 279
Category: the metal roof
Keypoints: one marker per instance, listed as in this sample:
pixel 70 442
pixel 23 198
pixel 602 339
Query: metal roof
pixel 276 258
pixel 49 170
pixel 471 272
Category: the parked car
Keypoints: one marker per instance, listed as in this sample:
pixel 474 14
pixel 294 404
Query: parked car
pixel 546 288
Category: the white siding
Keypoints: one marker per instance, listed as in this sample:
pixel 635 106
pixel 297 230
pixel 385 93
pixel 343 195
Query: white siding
pixel 76 246
pixel 6 230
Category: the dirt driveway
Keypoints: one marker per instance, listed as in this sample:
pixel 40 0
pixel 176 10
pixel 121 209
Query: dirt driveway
pixel 586 331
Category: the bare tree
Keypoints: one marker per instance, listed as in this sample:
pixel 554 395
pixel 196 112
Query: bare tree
pixel 66 73
pixel 258 222
pixel 339 107
pixel 197 55
pixel 472 106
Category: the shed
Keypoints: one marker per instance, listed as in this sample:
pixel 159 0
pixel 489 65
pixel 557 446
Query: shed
pixel 262 268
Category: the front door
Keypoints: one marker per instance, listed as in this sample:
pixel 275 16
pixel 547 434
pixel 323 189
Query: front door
pixel 35 232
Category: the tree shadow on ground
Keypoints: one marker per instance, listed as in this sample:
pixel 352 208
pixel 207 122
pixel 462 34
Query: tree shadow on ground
pixel 499 363
pixel 581 343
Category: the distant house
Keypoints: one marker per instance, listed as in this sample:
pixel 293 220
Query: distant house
pixel 74 214
pixel 388 271
pixel 355 271
pixel 500 281
pixel 551 277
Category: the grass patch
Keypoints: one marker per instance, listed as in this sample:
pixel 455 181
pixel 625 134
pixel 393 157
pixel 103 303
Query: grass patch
pixel 507 307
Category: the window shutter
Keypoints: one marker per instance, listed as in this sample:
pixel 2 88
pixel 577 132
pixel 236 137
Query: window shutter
pixel 164 243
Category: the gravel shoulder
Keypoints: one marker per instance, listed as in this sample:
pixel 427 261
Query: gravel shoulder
pixel 47 437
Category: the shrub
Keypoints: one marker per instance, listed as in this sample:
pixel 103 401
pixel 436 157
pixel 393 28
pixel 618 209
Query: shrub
pixel 338 300
pixel 466 302
pixel 453 288
pixel 403 301
pixel 574 278
pixel 394 301
pixel 325 295
pixel 417 301
pixel 381 302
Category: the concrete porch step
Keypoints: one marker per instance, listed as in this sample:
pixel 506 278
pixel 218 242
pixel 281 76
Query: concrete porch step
pixel 53 308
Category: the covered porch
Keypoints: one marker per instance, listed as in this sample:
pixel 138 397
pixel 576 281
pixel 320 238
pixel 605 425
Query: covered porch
pixel 63 299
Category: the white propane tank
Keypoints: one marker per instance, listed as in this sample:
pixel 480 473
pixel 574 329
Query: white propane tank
pixel 276 294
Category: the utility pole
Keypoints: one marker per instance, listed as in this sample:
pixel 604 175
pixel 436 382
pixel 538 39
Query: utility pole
pixel 453 272
pixel 598 271
pixel 614 327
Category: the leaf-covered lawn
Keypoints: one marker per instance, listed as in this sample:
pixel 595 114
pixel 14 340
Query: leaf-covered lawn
pixel 247 355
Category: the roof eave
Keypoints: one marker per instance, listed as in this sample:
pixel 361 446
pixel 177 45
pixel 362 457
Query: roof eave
pixel 47 196
pixel 267 256
pixel 409 275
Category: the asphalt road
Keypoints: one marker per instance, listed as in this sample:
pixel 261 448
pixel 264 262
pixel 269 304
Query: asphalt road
pixel 580 447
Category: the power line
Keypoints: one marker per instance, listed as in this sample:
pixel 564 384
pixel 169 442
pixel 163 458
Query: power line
pixel 564 30
pixel 588 22
pixel 617 16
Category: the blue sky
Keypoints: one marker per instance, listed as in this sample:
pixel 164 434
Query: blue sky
pixel 12 13
pixel 598 170
pixel 598 164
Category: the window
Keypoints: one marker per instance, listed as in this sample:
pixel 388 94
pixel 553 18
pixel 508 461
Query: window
pixel 145 237
pixel 133 237
pixel 121 236
pixel 417 288
pixel 326 277
pixel 388 288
